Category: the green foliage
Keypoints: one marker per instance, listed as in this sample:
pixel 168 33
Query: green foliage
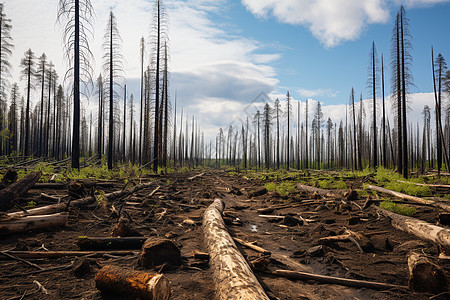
pixel 30 204
pixel 100 196
pixel 331 184
pixel 271 186
pixel 283 189
pixel 390 180
pixel 398 208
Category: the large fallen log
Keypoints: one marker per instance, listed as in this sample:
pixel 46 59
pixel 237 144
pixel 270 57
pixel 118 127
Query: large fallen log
pixel 136 284
pixel 106 243
pixel 32 223
pixel 346 194
pixel 424 276
pixel 233 277
pixel 408 197
pixel 59 254
pixel 17 189
pixel 419 228
pixel 337 280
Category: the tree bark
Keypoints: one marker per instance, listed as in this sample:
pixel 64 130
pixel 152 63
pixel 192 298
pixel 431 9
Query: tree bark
pixel 424 276
pixel 17 189
pixel 233 277
pixel 33 223
pixel 118 281
pixel 419 228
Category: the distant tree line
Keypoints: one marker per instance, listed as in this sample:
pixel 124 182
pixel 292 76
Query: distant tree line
pixel 147 130
pixel 359 141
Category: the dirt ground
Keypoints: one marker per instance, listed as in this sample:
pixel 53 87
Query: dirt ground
pixel 175 211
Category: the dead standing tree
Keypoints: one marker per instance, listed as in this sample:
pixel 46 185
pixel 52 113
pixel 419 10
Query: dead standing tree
pixel 79 56
pixel 113 67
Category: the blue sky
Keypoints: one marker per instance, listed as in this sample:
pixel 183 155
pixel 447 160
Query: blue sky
pixel 223 53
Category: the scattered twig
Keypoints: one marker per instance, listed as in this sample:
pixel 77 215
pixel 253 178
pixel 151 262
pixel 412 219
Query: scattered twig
pixel 41 287
pixel 21 260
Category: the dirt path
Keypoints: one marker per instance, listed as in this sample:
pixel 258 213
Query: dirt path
pixel 175 211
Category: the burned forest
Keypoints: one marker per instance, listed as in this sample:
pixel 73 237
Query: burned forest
pixel 114 184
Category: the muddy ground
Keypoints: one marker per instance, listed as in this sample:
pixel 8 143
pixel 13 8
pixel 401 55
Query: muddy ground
pixel 175 211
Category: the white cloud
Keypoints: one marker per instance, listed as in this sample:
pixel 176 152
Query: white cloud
pixel 330 21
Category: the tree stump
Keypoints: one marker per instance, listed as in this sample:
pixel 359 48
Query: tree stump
pixel 424 276
pixel 114 280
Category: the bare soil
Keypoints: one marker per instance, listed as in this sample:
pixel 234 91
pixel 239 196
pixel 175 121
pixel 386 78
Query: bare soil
pixel 175 211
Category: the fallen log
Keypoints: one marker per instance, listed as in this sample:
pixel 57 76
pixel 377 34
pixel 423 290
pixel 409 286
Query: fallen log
pixel 337 280
pixel 443 186
pixel 408 197
pixel 419 228
pixel 59 254
pixel 196 176
pixel 124 282
pixel 233 277
pixel 346 194
pixel 32 223
pixel 53 208
pixel 62 185
pixel 102 243
pixel 424 276
pixel 17 189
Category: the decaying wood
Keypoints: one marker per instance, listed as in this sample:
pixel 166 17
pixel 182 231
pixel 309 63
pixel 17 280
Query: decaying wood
pixel 196 176
pixel 137 284
pixel 32 223
pixel 424 276
pixel 17 189
pixel 233 277
pixel 346 194
pixel 408 197
pixel 102 243
pixel 258 192
pixel 419 228
pixel 53 208
pixel 252 246
pixel 63 185
pixel 337 280
pixel 349 236
pixel 436 186
pixel 59 254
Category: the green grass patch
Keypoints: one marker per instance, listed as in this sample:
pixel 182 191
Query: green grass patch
pixel 283 189
pixel 331 184
pixel 398 208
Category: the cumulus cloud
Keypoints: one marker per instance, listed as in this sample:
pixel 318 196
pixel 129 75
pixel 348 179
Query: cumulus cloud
pixel 330 21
